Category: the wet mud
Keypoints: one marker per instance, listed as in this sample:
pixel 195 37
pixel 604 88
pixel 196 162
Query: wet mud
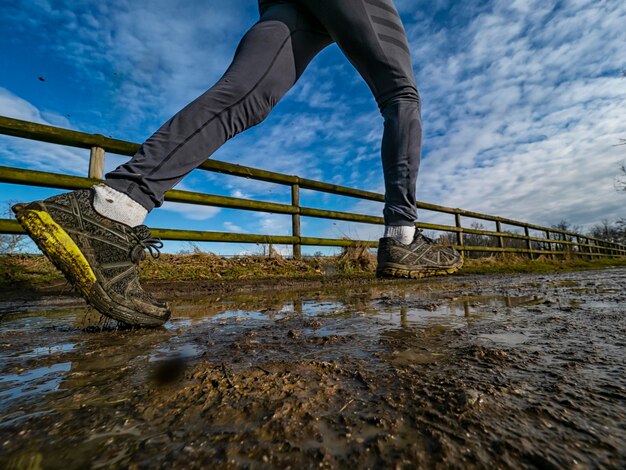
pixel 517 371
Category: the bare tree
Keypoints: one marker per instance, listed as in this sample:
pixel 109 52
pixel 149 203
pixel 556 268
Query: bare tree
pixel 10 243
pixel 610 231
pixel 565 226
pixel 621 227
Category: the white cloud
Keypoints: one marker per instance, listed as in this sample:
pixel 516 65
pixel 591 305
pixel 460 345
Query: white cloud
pixel 273 224
pixel 239 194
pixel 18 108
pixel 24 153
pixel 230 227
pixel 521 121
pixel 191 211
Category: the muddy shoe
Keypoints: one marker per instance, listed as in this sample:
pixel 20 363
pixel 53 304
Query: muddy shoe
pixel 97 255
pixel 421 258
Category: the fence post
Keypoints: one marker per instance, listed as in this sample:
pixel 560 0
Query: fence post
pixel 528 242
pixel 459 235
pixel 593 250
pixel 96 163
pixel 295 221
pixel 549 244
pixel 499 230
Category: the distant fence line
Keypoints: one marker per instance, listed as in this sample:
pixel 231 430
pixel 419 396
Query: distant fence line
pixel 555 242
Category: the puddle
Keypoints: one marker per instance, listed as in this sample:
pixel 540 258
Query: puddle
pixel 36 381
pixel 363 377
pixel 363 313
pixel 41 351
pixel 182 351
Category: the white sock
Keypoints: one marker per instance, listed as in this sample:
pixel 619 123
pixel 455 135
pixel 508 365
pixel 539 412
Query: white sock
pixel 402 233
pixel 110 203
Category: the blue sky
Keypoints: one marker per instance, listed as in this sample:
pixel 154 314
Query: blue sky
pixel 523 103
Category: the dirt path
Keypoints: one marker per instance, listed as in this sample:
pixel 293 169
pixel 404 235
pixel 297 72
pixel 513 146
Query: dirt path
pixel 519 371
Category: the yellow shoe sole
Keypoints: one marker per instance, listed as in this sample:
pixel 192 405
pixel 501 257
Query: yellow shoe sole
pixel 59 247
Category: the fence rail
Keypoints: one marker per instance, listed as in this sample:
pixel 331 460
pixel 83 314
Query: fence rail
pixel 556 241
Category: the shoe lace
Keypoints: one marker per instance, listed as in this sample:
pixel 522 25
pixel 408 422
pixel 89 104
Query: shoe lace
pixel 420 233
pixel 145 242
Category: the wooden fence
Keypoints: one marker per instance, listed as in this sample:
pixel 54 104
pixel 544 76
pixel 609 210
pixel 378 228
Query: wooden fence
pixel 551 242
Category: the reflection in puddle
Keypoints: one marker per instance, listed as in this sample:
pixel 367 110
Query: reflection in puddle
pixel 181 351
pixel 31 382
pixel 399 317
pixel 42 351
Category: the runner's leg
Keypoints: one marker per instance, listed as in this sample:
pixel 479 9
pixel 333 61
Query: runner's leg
pixel 268 62
pixel 371 35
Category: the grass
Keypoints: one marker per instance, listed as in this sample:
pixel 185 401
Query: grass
pixel 508 263
pixel 207 266
pixel 32 271
pixel 27 269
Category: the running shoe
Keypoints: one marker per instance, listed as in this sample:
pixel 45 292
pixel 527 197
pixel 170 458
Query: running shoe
pixel 99 256
pixel 423 257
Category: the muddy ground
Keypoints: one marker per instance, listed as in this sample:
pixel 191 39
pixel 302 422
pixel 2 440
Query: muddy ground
pixel 523 371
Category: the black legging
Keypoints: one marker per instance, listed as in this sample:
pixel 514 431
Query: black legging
pixel 270 58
